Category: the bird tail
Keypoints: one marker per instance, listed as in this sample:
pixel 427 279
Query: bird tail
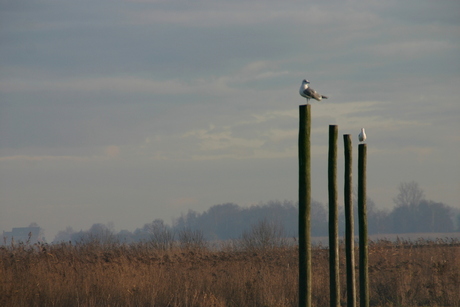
pixel 324 97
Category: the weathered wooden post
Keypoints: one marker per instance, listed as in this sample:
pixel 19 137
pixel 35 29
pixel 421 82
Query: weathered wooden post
pixel 304 207
pixel 349 223
pixel 362 217
pixel 334 280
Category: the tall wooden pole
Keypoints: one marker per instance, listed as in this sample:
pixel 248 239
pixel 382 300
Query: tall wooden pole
pixel 362 214
pixel 334 281
pixel 349 223
pixel 304 207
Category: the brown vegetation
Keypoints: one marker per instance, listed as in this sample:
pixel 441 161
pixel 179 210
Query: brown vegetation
pixel 93 274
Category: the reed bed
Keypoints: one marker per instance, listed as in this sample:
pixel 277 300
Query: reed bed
pixel 402 273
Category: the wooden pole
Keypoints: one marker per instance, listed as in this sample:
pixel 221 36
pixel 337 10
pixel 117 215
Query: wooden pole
pixel 362 217
pixel 334 281
pixel 349 223
pixel 304 207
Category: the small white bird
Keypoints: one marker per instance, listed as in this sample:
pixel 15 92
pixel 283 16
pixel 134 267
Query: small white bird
pixel 362 135
pixel 309 93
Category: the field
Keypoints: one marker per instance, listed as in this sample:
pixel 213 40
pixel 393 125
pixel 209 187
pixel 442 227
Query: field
pixel 401 273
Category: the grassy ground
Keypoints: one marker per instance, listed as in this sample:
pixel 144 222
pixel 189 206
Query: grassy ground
pixel 401 274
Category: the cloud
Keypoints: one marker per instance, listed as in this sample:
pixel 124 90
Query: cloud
pixel 112 151
pixel 411 49
pixel 213 85
pixel 43 158
pixel 273 134
pixel 125 84
pixel 107 153
pixel 212 14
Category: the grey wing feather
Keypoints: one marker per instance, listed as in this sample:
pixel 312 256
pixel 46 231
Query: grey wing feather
pixel 312 93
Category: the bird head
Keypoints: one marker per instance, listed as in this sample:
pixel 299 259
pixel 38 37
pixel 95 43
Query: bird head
pixel 306 81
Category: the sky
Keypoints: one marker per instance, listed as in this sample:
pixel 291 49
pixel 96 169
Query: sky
pixel 126 111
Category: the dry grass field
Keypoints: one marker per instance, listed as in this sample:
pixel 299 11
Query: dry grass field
pixel 401 274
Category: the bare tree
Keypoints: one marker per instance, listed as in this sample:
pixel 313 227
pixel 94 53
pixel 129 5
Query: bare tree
pixel 264 235
pixel 161 236
pixel 64 235
pixel 192 239
pixel 410 194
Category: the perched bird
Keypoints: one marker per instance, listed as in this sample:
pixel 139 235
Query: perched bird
pixel 362 135
pixel 309 93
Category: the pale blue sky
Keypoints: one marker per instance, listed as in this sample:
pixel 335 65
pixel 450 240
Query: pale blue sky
pixel 128 111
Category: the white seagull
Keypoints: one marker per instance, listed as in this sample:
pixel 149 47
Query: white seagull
pixel 362 135
pixel 309 93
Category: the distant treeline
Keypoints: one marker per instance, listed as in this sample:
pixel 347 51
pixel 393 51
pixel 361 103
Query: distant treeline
pixel 230 221
pixel 412 214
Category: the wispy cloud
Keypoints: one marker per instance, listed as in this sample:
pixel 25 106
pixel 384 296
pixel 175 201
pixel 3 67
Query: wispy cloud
pixel 412 49
pixel 126 84
pixel 108 153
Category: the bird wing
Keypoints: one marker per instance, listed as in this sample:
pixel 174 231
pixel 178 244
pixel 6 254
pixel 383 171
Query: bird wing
pixel 311 93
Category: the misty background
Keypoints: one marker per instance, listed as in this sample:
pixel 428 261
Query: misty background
pixel 121 113
pixel 413 217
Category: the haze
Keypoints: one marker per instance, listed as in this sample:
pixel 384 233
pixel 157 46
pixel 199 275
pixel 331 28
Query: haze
pixel 130 111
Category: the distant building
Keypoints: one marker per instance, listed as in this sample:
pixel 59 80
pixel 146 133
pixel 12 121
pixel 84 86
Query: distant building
pixel 25 235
